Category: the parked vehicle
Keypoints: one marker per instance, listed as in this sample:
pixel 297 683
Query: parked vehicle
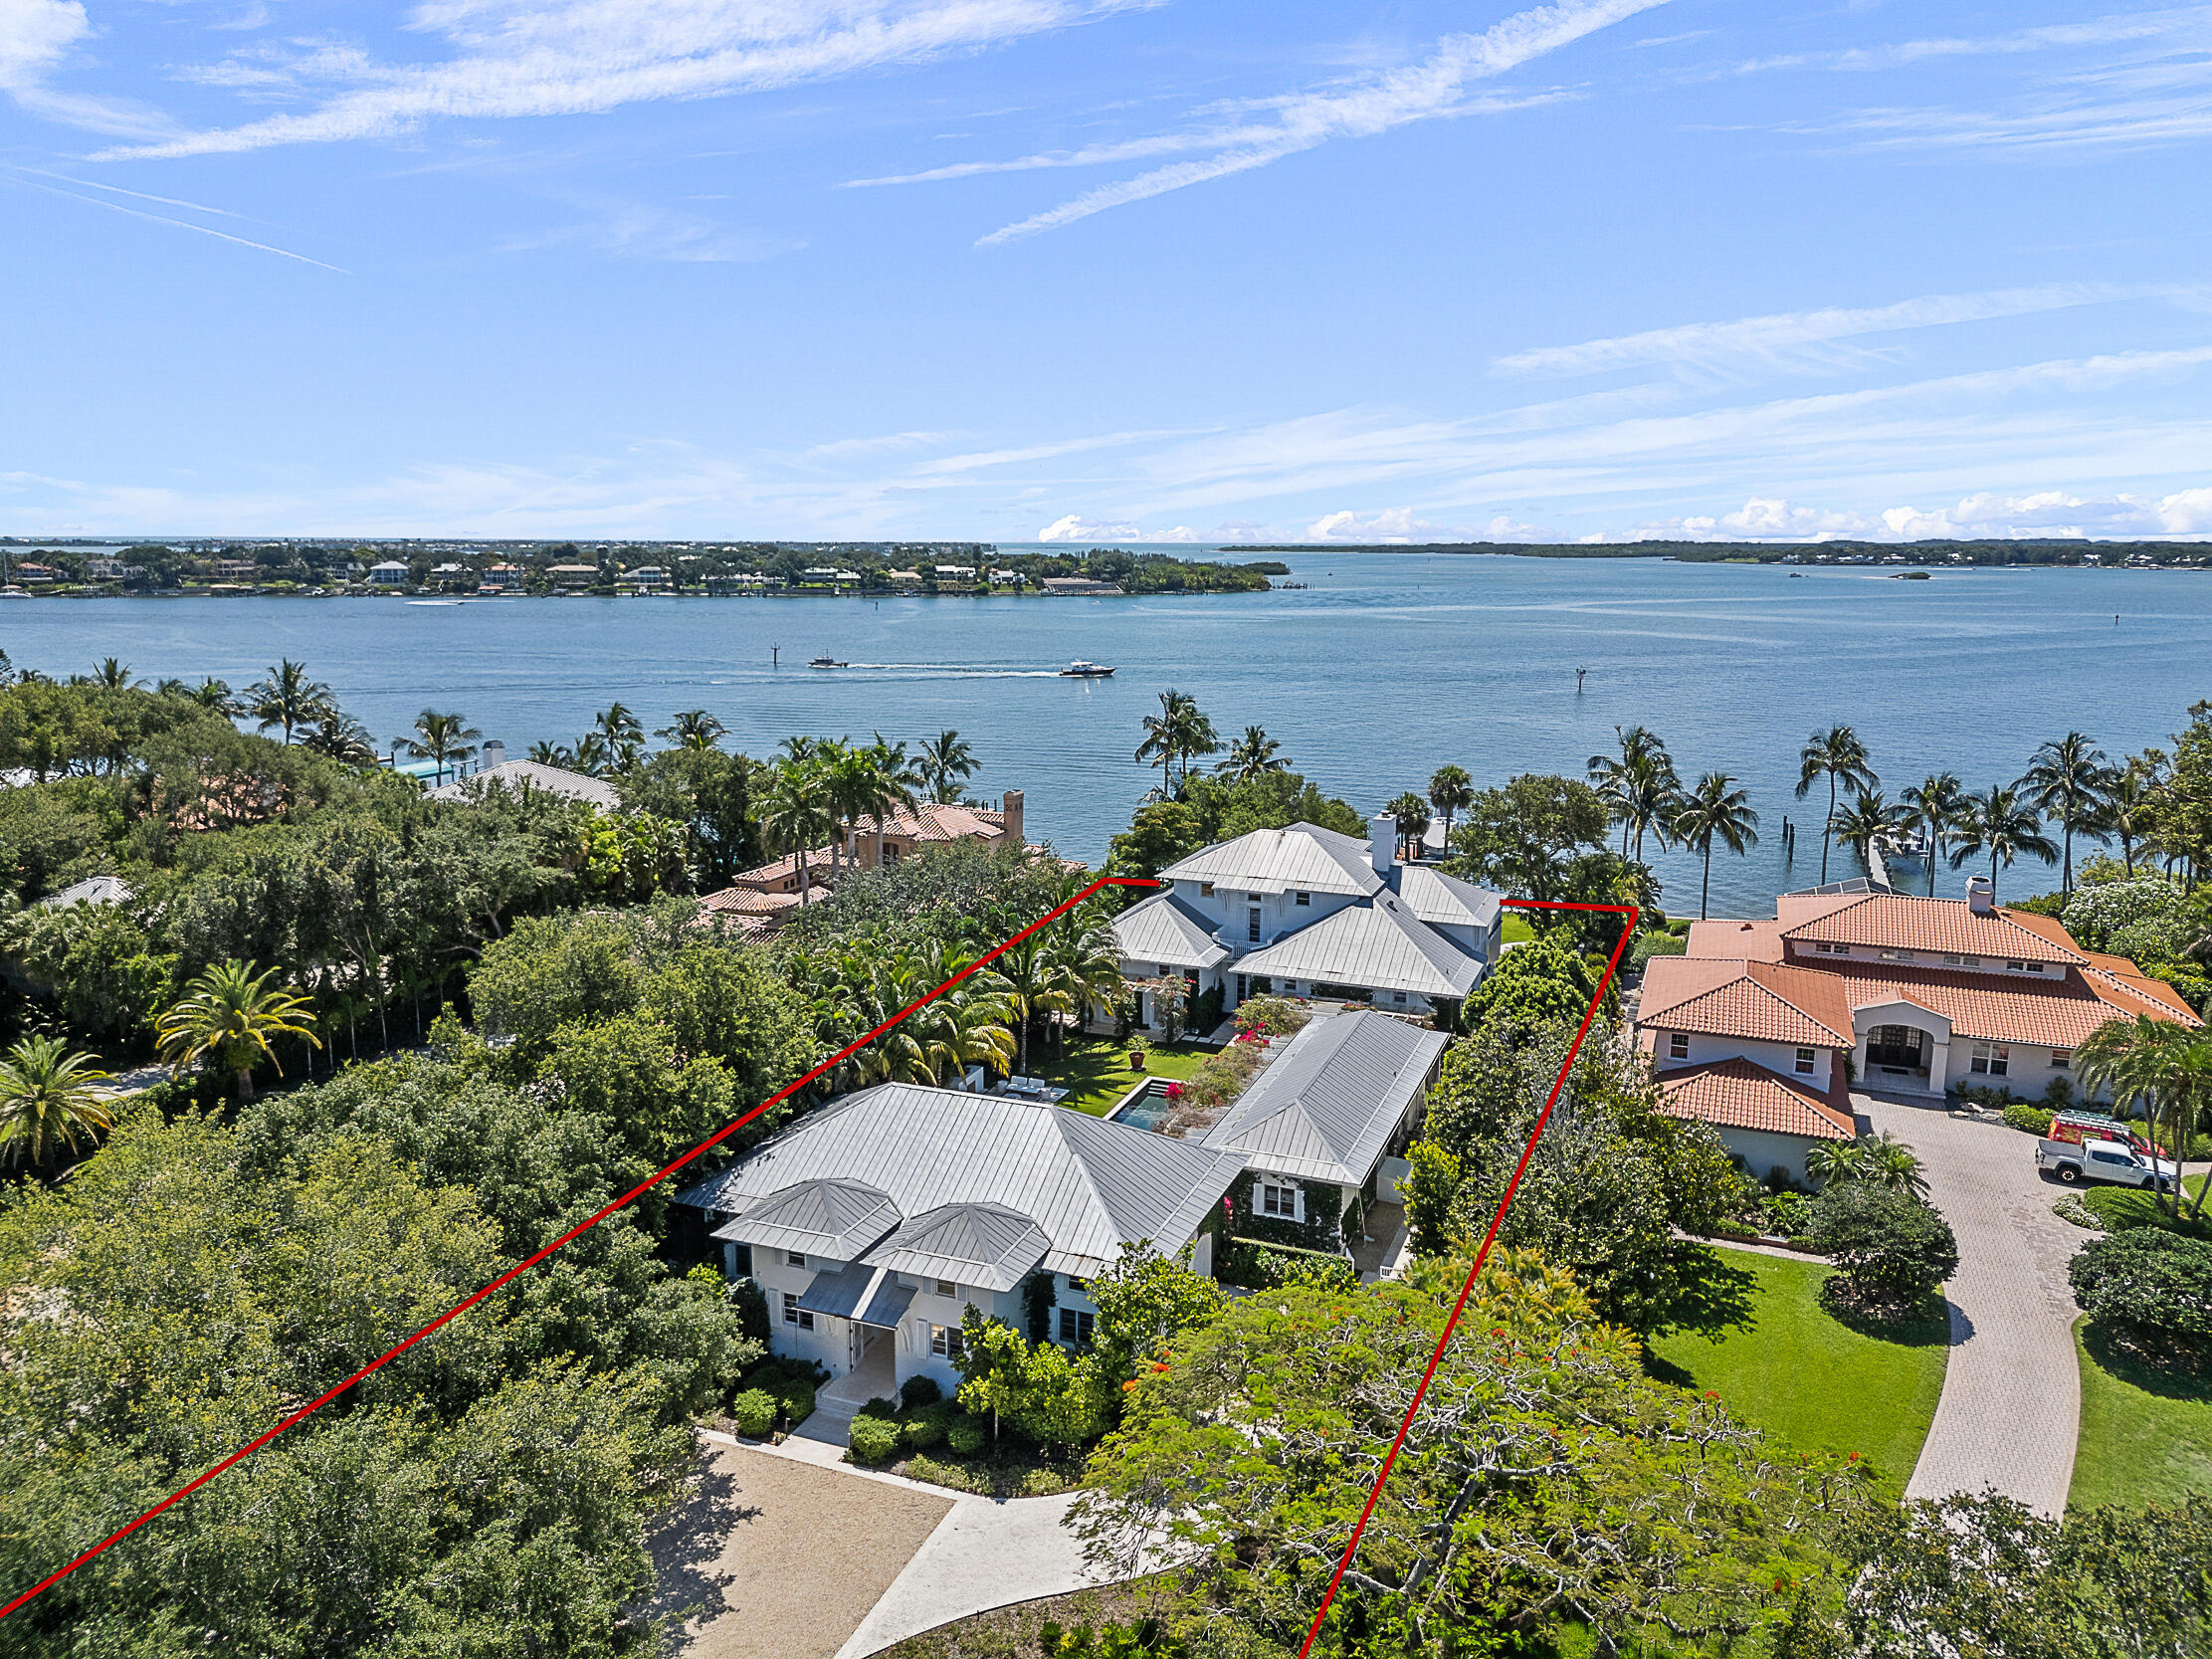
pixel 2104 1160
pixel 2076 1127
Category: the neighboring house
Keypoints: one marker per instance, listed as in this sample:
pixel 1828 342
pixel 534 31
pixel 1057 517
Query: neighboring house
pixel 502 577
pixel 1322 1129
pixel 519 774
pixel 753 914
pixel 649 578
pixel 874 1224
pixel 934 824
pixel 93 890
pixel 1310 912
pixel 572 576
pixel 1077 587
pixel 1907 995
pixel 388 573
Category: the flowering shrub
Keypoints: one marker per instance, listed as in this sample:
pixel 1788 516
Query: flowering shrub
pixel 1269 1016
pixel 1174 1092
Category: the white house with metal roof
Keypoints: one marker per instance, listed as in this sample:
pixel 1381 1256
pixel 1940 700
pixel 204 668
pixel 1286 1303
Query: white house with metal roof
pixel 875 1223
pixel 1310 912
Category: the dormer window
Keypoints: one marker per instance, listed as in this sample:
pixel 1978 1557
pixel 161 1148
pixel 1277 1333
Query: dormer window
pixel 1954 958
pixel 1678 1044
pixel 1205 890
pixel 1895 956
pixel 1304 898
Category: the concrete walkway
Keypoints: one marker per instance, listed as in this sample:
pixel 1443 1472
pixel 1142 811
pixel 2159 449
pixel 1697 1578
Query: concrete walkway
pixel 2011 1408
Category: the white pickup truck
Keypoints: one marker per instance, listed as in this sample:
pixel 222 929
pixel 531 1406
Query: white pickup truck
pixel 2104 1160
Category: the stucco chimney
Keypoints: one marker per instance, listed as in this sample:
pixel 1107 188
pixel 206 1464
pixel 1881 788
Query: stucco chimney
pixel 1383 842
pixel 1011 806
pixel 494 755
pixel 1981 898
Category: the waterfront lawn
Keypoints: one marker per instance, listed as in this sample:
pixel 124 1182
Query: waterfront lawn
pixel 2147 1434
pixel 1812 1380
pixel 1518 930
pixel 1096 1071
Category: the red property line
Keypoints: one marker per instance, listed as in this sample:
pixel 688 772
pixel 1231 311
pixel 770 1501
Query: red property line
pixel 585 1225
pixel 1351 1547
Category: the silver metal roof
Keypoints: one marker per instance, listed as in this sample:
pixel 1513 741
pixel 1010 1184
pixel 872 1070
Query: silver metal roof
pixel 575 786
pixel 1326 1106
pixel 1444 899
pixel 1088 1185
pixel 1380 946
pixel 1278 860
pixel 1166 931
pixel 988 1245
pixel 867 1295
pixel 99 889
pixel 826 1217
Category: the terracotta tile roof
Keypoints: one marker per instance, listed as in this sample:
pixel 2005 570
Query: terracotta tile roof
pixel 1992 1007
pixel 2118 980
pixel 1756 942
pixel 743 900
pixel 1735 1094
pixel 1899 922
pixel 1762 1001
pixel 933 821
pixel 784 868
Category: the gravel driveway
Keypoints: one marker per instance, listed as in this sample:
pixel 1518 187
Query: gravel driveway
pixel 788 1559
pixel 2012 1395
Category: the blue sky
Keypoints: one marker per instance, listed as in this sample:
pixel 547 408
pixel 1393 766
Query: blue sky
pixel 1012 268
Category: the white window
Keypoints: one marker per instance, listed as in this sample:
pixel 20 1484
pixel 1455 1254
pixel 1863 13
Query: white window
pixel 1399 997
pixel 1956 958
pixel 2033 967
pixel 1991 1059
pixel 1895 955
pixel 945 1287
pixel 2062 1059
pixel 797 1258
pixel 1252 926
pixel 946 1341
pixel 793 1314
pixel 1304 898
pixel 1804 1062
pixel 1075 1326
pixel 1284 1201
pixel 1678 1044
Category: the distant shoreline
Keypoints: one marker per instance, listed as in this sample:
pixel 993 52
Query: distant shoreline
pixel 2106 555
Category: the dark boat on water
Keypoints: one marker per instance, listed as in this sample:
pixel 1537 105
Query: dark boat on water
pixel 827 662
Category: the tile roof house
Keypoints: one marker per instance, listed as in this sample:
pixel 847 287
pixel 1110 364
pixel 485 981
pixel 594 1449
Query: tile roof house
pixel 907 831
pixel 1310 912
pixel 875 1223
pixel 1908 995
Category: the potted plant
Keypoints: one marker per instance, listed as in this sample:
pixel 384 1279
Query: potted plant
pixel 1139 1047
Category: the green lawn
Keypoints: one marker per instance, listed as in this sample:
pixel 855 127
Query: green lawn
pixel 1518 930
pixel 1095 1072
pixel 2123 1207
pixel 2146 1436
pixel 1810 1379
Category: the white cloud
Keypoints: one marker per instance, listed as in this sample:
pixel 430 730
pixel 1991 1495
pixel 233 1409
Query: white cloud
pixel 522 57
pixel 1435 86
pixel 1073 528
pixel 1391 523
pixel 1799 339
pixel 34 38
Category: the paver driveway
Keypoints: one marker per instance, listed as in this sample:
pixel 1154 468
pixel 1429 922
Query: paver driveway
pixel 2012 1395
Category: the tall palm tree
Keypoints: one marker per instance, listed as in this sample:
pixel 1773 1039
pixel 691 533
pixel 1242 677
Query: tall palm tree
pixel 945 764
pixel 693 728
pixel 1025 982
pixel 1255 754
pixel 795 812
pixel 46 1099
pixel 1178 732
pixel 1998 822
pixel 2165 1065
pixel 112 674
pixel 591 755
pixel 344 739
pixel 1838 755
pixel 1451 792
pixel 2131 811
pixel 228 1015
pixel 1868 819
pixel 623 733
pixel 286 696
pixel 1715 809
pixel 553 754
pixel 1085 958
pixel 1410 812
pixel 1934 805
pixel 2070 779
pixel 1638 786
pixel 441 738
pixel 895 777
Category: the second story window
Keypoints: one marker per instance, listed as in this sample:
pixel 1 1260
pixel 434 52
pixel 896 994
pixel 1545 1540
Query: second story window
pixel 796 1258
pixel 1678 1044
pixel 1252 926
pixel 1205 890
pixel 1304 898
pixel 1804 1062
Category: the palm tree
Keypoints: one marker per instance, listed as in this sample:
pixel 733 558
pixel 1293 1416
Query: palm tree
pixel 1025 982
pixel 1715 809
pixel 1934 805
pixel 1255 754
pixel 618 725
pixel 893 778
pixel 591 755
pixel 286 696
pixel 1868 819
pixel 795 813
pixel 344 739
pixel 441 738
pixel 1998 822
pixel 2165 1065
pixel 1410 812
pixel 1640 787
pixel 228 1015
pixel 1177 733
pixel 693 728
pixel 112 674
pixel 1086 961
pixel 946 761
pixel 46 1099
pixel 2131 811
pixel 553 754
pixel 1838 754
pixel 1451 792
pixel 2069 779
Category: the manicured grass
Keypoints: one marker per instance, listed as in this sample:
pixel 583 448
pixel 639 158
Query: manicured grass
pixel 1812 1380
pixel 2123 1207
pixel 1518 930
pixel 2146 1435
pixel 1095 1072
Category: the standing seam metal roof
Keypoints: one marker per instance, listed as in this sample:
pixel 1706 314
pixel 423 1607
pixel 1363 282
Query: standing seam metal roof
pixel 1325 1107
pixel 1379 944
pixel 971 1244
pixel 1278 860
pixel 1166 931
